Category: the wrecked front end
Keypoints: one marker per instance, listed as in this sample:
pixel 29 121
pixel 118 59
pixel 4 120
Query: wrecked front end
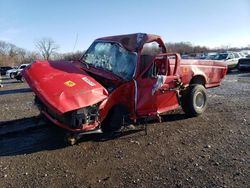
pixel 66 94
pixel 83 119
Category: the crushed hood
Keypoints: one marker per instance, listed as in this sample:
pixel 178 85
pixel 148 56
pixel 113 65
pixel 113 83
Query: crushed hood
pixel 63 86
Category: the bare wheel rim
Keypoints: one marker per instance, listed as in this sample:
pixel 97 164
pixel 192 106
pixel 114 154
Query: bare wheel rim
pixel 199 100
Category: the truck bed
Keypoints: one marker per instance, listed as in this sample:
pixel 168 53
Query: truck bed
pixel 211 71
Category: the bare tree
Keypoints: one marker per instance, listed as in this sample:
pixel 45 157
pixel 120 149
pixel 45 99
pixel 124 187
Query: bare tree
pixel 47 47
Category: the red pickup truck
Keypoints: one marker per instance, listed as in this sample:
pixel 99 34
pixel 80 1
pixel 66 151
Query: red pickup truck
pixel 118 81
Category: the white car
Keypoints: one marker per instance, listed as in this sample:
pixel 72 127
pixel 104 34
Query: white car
pixel 231 58
pixel 245 52
pixel 12 72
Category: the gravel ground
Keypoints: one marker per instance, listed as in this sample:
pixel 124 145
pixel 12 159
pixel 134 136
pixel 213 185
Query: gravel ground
pixel 211 150
pixel 16 100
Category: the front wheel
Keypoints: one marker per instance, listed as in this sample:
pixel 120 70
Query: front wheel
pixel 22 79
pixel 71 139
pixel 11 75
pixel 115 119
pixel 194 100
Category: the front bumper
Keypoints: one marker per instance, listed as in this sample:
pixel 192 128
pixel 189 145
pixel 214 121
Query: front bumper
pixel 70 121
pixel 231 66
pixel 244 66
pixel 85 127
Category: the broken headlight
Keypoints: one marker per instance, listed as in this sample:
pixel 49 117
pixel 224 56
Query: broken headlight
pixel 85 115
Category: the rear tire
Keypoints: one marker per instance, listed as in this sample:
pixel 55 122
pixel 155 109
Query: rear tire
pixel 194 100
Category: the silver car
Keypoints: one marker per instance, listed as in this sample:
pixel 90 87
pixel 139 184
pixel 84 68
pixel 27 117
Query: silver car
pixel 12 72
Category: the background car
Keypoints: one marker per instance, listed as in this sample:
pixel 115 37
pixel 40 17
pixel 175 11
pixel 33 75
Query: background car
pixel 210 55
pixel 231 58
pixel 244 63
pixel 12 72
pixel 245 52
pixel 3 70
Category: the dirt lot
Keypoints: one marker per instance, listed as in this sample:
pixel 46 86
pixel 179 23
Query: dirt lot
pixel 212 150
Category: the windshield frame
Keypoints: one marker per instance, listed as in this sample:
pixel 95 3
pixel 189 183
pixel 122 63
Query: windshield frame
pixel 82 60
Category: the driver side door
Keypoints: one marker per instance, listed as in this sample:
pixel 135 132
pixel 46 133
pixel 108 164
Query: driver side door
pixel 155 90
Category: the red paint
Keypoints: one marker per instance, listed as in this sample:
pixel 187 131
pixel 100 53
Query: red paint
pixel 59 124
pixel 48 79
pixel 66 86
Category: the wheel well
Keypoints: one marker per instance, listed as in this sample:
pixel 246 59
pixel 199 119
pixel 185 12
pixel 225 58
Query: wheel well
pixel 198 80
pixel 113 121
pixel 118 106
pixel 121 107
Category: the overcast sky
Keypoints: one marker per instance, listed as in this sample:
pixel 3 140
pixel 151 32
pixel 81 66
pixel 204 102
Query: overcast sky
pixel 212 23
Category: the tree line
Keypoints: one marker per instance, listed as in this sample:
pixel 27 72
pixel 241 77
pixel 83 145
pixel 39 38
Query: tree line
pixel 47 49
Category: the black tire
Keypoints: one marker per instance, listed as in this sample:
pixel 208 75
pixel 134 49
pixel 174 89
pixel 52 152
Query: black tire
pixel 194 100
pixel 11 75
pixel 71 139
pixel 115 119
pixel 20 78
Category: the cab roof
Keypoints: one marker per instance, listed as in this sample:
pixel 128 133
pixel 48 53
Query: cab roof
pixel 133 42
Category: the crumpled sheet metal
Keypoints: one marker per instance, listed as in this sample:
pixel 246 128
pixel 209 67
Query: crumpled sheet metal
pixel 63 87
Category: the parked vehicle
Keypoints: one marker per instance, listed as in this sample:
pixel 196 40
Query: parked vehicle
pixel 12 72
pixel 230 58
pixel 244 64
pixel 3 70
pixel 245 52
pixel 114 84
pixel 211 55
pixel 242 55
pixel 186 56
